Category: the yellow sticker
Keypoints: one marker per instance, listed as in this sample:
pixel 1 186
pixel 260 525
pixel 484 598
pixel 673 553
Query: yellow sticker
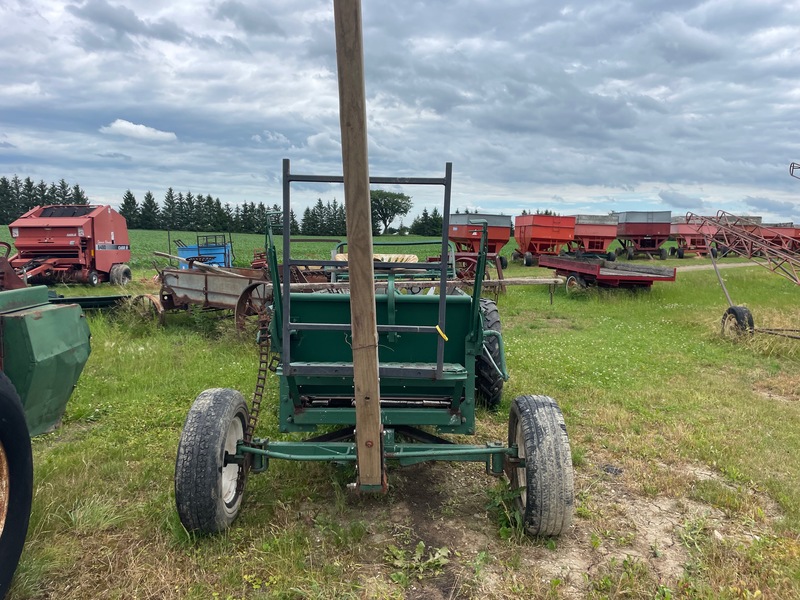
pixel 441 333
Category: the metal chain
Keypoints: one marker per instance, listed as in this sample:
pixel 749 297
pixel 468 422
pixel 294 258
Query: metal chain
pixel 258 393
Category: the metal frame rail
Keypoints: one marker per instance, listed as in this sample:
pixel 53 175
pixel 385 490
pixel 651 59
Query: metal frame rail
pixel 288 263
pixel 741 236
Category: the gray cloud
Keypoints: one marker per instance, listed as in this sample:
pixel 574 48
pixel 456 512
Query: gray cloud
pixel 599 105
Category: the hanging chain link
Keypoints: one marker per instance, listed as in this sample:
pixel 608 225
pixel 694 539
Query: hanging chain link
pixel 264 356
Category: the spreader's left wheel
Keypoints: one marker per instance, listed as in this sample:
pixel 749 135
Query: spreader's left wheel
pixel 206 482
pixel 737 321
pixel 546 501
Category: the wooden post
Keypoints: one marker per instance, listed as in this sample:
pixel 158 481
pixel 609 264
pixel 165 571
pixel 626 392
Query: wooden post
pixel 353 119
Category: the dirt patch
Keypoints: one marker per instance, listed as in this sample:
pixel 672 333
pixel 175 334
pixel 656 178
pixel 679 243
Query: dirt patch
pixel 444 506
pixel 783 387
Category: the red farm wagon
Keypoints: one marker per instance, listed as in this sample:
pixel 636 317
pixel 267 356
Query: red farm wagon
pixel 642 232
pixel 692 237
pixel 594 234
pixel 541 235
pixel 465 230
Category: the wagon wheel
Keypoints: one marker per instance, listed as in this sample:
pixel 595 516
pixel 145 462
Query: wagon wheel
pixel 575 284
pixel 147 307
pixel 252 302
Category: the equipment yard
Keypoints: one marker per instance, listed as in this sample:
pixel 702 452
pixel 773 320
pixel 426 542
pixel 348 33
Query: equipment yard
pixel 684 445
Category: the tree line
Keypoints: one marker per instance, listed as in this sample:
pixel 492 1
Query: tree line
pixel 189 212
pixel 19 196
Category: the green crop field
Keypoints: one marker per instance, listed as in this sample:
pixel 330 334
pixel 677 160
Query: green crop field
pixel 686 448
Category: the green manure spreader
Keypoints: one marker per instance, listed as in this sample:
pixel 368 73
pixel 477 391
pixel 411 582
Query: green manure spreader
pixel 43 348
pixel 440 353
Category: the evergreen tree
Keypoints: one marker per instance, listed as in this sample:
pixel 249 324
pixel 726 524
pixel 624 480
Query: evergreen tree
pixel 149 213
pixel 130 210
pixel 15 204
pixel 6 207
pixel 294 226
pixel 41 194
pixel 63 193
pixel 169 214
pixel 78 196
pixel 28 199
pixel 307 225
pixel 190 212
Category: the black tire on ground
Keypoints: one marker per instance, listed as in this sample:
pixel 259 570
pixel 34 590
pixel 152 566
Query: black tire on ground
pixel 205 487
pixel 714 252
pixel 662 254
pixel 629 253
pixel 736 321
pixel 93 278
pixel 113 274
pixel 16 481
pixel 672 250
pixel 575 283
pixel 611 256
pixel 723 251
pixel 503 262
pixel 681 253
pixel 515 255
pixel 528 259
pixel 488 382
pixel 124 275
pixel 546 502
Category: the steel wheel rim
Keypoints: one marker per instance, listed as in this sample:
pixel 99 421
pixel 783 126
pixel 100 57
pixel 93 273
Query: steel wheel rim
pixel 230 472
pixel 521 472
pixel 4 487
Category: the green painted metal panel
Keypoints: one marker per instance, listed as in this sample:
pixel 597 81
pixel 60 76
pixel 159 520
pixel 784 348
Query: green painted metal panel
pixel 45 348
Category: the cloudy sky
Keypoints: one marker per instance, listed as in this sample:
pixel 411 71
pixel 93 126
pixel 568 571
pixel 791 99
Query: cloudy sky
pixel 579 107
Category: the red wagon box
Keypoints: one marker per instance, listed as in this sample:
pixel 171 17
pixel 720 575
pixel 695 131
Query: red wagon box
pixel 537 235
pixel 595 233
pixel 467 236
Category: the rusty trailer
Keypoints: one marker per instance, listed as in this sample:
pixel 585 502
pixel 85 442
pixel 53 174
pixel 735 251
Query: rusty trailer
pixel 580 273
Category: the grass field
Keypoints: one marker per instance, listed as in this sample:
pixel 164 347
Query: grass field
pixel 686 448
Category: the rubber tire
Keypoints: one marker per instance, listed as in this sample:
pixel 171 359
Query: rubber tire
pixel 528 259
pixel 488 382
pixel 723 251
pixel 113 274
pixel 199 467
pixel 547 499
pixel 714 252
pixel 672 250
pixel 15 445
pixel 741 320
pixel 680 253
pixel 503 262
pixel 574 283
pixel 611 256
pixel 629 253
pixel 92 278
pixel 662 254
pixel 124 274
pixel 515 256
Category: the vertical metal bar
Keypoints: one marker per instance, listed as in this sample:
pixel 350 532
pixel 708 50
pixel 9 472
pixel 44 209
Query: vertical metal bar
pixel 286 292
pixel 443 262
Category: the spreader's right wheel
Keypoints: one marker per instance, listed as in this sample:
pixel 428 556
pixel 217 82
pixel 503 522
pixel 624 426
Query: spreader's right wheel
pixel 547 497
pixel 629 253
pixel 737 321
pixel 16 481
pixel 488 382
pixel 207 494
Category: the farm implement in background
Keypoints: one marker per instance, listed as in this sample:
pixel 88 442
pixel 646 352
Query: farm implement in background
pixel 643 233
pixel 71 243
pixel 747 238
pixel 585 271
